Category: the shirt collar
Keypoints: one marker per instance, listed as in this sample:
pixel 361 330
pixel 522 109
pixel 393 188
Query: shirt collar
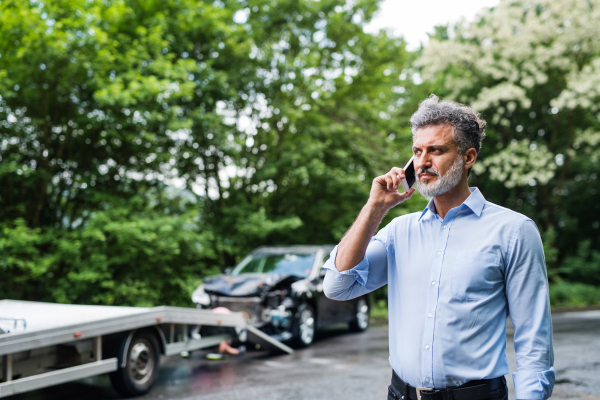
pixel 474 202
pixel 430 207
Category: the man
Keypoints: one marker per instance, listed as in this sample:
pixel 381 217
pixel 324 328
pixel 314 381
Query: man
pixel 455 272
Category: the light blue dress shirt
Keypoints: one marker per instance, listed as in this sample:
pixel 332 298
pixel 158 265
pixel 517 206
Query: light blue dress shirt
pixel 452 284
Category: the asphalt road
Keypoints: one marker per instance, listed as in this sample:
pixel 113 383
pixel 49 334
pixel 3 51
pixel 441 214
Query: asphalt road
pixel 339 365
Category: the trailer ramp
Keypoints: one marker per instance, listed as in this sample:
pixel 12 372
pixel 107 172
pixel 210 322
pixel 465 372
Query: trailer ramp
pixel 257 336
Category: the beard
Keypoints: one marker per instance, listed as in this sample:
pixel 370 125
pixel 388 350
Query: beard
pixel 444 182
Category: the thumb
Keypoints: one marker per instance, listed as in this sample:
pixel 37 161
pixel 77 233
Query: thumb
pixel 406 195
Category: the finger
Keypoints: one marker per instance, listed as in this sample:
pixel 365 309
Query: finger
pixel 389 182
pixel 394 176
pixel 393 179
pixel 399 198
pixel 399 172
pixel 407 195
pixel 380 180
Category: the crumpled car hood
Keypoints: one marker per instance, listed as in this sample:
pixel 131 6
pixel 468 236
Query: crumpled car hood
pixel 245 284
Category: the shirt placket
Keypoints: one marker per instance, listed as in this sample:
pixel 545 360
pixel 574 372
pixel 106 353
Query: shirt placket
pixel 433 292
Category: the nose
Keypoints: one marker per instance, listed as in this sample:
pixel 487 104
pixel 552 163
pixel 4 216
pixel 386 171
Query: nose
pixel 422 162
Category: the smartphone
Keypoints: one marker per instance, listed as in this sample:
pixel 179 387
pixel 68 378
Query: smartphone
pixel 409 173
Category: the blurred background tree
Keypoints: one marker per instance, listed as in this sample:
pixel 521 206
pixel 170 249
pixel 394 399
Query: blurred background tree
pixel 533 70
pixel 146 144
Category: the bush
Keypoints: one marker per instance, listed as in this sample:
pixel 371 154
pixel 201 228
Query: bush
pixel 379 310
pixel 568 294
pixel 117 258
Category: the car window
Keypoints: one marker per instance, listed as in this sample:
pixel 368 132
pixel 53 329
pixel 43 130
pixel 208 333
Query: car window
pixel 286 264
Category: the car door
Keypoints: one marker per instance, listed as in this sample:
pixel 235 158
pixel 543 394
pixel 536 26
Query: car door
pixel 329 311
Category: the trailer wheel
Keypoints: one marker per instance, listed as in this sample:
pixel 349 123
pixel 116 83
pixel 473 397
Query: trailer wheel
pixel 141 365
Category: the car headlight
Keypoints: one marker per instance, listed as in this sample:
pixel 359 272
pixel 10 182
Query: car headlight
pixel 200 296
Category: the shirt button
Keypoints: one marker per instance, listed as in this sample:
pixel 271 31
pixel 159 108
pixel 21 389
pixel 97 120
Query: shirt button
pixel 439 253
pixel 433 283
pixel 445 226
pixel 427 347
pixel 427 380
pixel 430 315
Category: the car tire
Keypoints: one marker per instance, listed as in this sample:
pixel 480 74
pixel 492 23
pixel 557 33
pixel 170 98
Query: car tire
pixel 361 318
pixel 141 365
pixel 304 326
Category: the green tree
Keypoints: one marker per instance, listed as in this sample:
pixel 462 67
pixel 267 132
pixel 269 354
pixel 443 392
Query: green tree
pixel 532 69
pixel 331 121
pixel 144 144
pixel 97 104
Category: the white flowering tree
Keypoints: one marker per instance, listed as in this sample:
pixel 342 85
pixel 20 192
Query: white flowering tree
pixel 532 68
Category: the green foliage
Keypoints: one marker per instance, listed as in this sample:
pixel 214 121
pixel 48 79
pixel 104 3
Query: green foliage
pixel 121 256
pixel 145 144
pixel 379 311
pixel 531 69
pixel 584 266
pixel 567 294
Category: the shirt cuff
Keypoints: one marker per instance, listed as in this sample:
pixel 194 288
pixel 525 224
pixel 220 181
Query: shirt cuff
pixel 360 272
pixel 534 385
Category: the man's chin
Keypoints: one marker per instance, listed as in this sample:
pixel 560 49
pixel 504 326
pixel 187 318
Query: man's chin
pixel 427 183
pixel 428 189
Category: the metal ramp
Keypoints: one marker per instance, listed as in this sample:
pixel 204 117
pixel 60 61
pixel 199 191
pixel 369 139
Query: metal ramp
pixel 257 336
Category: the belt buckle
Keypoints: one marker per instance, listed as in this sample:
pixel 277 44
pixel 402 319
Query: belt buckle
pixel 422 389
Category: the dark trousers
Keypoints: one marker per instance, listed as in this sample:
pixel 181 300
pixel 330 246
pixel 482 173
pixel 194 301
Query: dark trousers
pixel 499 394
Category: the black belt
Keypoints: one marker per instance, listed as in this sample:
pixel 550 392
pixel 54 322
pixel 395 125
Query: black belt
pixel 472 390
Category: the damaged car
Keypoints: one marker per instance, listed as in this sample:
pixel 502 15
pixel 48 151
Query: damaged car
pixel 281 290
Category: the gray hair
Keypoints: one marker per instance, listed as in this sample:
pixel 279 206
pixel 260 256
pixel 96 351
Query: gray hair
pixel 467 124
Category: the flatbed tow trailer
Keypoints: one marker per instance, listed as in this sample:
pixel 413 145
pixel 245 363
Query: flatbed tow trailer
pixel 46 344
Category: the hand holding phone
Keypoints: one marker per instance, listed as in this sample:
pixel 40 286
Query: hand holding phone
pixel 385 190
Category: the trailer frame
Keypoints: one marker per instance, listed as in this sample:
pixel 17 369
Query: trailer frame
pixel 170 325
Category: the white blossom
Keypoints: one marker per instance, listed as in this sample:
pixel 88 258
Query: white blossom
pixel 520 44
pixel 518 165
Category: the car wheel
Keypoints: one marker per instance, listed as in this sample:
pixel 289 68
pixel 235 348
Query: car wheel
pixel 304 326
pixel 141 365
pixel 361 319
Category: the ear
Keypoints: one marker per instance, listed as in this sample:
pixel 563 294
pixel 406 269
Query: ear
pixel 469 157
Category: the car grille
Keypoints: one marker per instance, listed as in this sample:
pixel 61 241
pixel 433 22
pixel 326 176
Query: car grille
pixel 250 305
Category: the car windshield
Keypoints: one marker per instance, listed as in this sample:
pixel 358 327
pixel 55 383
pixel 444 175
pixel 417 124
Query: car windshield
pixel 287 264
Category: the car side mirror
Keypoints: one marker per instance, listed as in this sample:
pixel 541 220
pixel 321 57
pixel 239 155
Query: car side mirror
pixel 322 272
pixel 227 271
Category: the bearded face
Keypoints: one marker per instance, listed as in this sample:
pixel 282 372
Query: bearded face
pixel 438 164
pixel 434 187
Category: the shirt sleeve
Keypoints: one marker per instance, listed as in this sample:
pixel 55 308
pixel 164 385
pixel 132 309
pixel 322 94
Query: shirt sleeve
pixel 529 309
pixel 369 274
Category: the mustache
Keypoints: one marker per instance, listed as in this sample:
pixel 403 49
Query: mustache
pixel 427 171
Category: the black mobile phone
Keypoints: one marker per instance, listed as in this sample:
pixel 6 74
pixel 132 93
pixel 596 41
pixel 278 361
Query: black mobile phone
pixel 409 173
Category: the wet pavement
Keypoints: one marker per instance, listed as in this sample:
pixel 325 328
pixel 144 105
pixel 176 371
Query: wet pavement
pixel 339 365
pixel 576 355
